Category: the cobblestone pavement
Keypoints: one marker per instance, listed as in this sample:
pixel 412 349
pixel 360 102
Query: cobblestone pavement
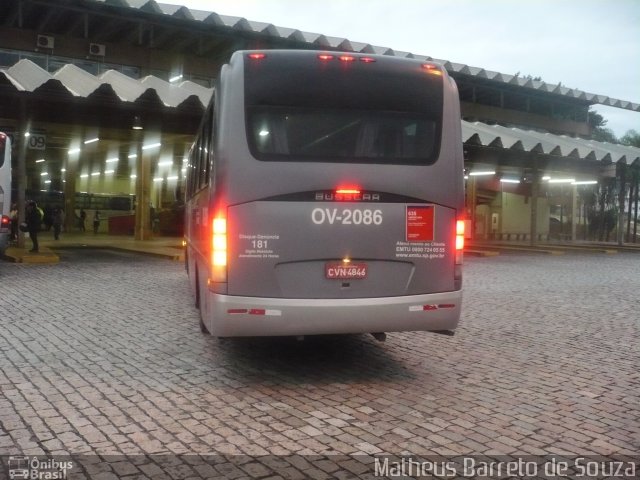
pixel 101 355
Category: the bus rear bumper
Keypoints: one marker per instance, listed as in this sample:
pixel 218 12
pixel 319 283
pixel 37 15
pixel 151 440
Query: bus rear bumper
pixel 234 316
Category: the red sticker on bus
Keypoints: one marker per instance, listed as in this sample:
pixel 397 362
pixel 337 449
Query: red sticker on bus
pixel 420 223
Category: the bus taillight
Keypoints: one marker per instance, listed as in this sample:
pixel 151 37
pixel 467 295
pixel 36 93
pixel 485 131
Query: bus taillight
pixel 459 240
pixel 219 250
pixel 257 56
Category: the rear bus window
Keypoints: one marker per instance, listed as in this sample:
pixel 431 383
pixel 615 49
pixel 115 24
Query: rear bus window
pixel 305 112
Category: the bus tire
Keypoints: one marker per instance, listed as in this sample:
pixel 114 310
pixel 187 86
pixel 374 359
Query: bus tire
pixel 203 327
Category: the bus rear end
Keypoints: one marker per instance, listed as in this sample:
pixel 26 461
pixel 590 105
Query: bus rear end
pixel 338 197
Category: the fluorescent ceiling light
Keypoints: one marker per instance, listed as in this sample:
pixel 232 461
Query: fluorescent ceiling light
pixel 480 173
pixel 111 160
pixel 585 182
pixel 562 180
pixel 509 180
pixel 74 150
pixel 151 145
pixel 91 140
pixel 40 161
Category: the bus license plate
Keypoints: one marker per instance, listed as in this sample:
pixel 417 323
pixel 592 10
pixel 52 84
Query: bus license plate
pixel 341 271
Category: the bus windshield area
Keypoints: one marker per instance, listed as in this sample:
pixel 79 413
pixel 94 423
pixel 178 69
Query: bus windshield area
pixel 341 135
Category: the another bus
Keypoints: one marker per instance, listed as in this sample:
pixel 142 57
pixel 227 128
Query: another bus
pixel 5 191
pixel 325 196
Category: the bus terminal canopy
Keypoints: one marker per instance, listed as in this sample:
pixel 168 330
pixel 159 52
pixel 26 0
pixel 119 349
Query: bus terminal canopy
pixel 112 97
pixel 71 102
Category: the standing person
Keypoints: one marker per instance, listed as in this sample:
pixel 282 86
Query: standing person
pixel 58 221
pixel 33 219
pixel 83 217
pixel 13 215
pixel 96 221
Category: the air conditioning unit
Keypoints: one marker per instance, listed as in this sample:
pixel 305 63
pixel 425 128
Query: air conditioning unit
pixel 45 41
pixel 97 49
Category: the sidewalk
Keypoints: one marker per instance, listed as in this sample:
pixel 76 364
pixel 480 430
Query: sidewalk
pixel 165 247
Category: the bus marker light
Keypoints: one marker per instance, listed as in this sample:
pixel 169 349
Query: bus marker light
pixel 325 57
pixel 367 59
pixel 347 58
pixel 432 69
pixel 257 56
pixel 423 308
pixel 348 194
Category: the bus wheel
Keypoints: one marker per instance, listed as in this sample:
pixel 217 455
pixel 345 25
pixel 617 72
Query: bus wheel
pixel 203 327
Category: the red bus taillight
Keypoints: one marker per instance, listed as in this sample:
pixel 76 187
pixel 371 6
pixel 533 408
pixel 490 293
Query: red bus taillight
pixel 5 221
pixel 257 56
pixel 219 249
pixel 459 241
pixel 325 56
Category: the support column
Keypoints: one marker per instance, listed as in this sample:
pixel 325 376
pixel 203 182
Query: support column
pixel 473 199
pixel 70 195
pixel 143 194
pixel 621 180
pixel 535 191
pixel 23 127
pixel 574 212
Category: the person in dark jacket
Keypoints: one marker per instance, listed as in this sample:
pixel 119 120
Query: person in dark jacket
pixel 58 221
pixel 33 218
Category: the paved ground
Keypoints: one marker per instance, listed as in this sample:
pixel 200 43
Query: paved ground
pixel 102 354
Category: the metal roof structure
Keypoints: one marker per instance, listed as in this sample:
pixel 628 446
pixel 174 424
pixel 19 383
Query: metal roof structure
pixel 481 134
pixel 316 40
pixel 26 76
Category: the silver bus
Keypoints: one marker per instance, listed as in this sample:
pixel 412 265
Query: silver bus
pixel 5 191
pixel 325 196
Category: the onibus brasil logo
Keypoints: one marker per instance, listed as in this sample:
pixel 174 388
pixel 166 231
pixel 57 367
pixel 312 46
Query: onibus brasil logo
pixel 34 468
